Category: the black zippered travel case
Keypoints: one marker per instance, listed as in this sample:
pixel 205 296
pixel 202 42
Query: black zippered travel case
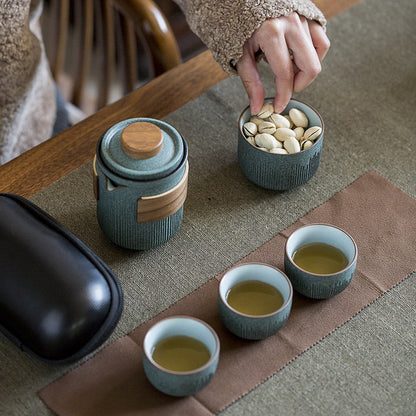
pixel 58 300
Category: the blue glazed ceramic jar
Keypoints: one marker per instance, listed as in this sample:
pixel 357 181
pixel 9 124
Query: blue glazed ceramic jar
pixel 276 171
pixel 140 182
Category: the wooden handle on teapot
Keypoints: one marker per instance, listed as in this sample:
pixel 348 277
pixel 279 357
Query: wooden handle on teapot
pixel 158 207
pixel 95 179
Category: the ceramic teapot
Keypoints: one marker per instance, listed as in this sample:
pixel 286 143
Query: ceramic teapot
pixel 140 182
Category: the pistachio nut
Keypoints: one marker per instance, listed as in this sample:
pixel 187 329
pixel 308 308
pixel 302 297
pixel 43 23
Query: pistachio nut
pixel 267 127
pixel 251 140
pixel 277 145
pixel 256 120
pixel 306 144
pixel 266 111
pixel 283 133
pixel 291 145
pixel 299 132
pixel 312 133
pixel 278 151
pixel 279 121
pixel 250 128
pixel 298 117
pixel 266 140
pixel 290 121
pixel 278 133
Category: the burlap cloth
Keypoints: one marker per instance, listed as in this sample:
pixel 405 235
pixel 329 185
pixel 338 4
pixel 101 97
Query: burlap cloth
pixel 366 95
pixel 114 383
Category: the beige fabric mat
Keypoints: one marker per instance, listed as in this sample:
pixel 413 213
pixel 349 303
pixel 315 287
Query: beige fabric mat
pixel 114 383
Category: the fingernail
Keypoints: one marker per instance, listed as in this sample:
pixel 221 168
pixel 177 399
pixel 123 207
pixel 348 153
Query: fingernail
pixel 278 108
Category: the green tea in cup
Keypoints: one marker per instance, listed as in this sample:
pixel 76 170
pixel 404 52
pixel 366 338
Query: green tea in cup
pixel 320 258
pixel 181 353
pixel 254 297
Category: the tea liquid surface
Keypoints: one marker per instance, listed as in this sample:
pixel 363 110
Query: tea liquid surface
pixel 254 297
pixel 181 353
pixel 320 258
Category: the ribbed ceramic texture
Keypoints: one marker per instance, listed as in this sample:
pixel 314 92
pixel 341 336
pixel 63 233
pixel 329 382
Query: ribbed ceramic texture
pixel 179 384
pixel 117 216
pixel 142 188
pixel 319 287
pixel 253 328
pixel 117 204
pixel 280 172
pixel 259 326
pixel 125 231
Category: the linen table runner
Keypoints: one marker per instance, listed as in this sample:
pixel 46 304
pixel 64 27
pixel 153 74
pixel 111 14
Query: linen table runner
pixel 380 217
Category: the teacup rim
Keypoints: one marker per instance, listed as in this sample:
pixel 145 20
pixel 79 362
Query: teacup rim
pixel 212 359
pixel 321 275
pixel 285 304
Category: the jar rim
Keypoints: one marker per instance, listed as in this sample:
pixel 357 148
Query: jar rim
pixel 158 166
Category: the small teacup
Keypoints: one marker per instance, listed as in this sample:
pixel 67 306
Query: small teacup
pixel 254 326
pixel 180 383
pixel 316 285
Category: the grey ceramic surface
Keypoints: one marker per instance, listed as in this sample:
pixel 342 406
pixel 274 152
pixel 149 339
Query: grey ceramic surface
pixel 176 383
pixel 254 327
pixel 118 195
pixel 280 172
pixel 319 286
pixel 158 166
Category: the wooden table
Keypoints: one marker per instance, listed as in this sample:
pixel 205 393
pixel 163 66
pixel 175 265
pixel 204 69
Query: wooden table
pixel 58 156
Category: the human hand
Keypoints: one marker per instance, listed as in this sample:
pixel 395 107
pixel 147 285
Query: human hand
pixel 308 43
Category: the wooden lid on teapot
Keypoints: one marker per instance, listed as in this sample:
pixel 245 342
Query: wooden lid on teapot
pixel 141 140
pixel 142 149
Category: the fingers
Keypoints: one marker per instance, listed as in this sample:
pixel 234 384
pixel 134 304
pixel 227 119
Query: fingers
pixel 305 39
pixel 305 56
pixel 247 70
pixel 319 39
pixel 272 42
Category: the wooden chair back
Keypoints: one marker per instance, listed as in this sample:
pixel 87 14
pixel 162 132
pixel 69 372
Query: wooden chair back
pixel 96 47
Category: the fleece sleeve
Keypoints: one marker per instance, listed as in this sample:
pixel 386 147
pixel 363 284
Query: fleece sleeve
pixel 225 25
pixel 27 95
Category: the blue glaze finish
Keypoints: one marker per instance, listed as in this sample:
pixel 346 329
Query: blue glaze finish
pixel 320 286
pixel 158 166
pixel 118 195
pixel 176 383
pixel 254 327
pixel 280 172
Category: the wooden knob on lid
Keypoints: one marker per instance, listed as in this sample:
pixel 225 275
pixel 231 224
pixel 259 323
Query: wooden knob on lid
pixel 141 140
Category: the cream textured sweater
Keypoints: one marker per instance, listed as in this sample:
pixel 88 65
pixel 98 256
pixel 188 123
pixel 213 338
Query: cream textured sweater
pixel 225 25
pixel 27 96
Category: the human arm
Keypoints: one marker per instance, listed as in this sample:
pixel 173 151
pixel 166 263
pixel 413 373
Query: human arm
pixel 308 44
pixel 27 95
pixel 226 26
